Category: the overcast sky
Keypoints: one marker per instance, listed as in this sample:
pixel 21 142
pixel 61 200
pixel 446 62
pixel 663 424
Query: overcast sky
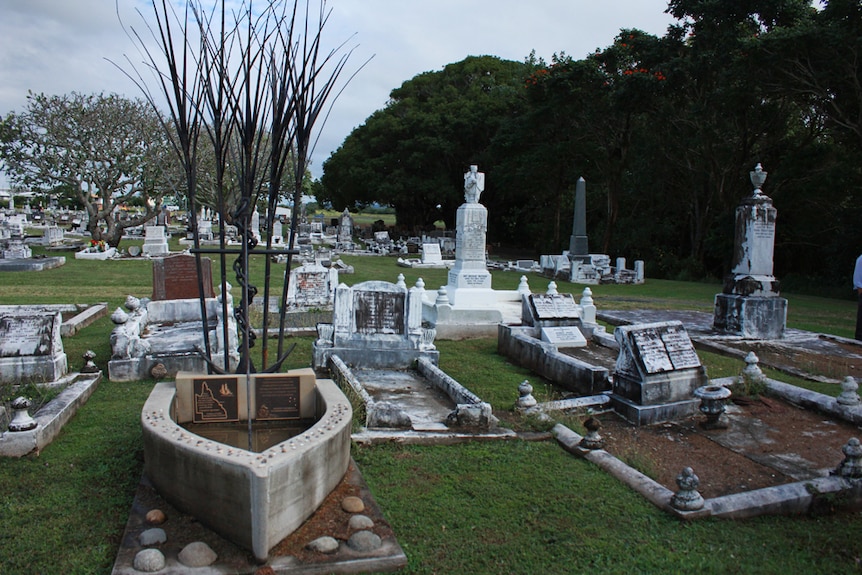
pixel 61 46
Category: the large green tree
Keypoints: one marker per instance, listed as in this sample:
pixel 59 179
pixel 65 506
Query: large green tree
pixel 105 148
pixel 411 155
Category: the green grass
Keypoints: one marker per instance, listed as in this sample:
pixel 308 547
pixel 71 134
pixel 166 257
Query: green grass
pixel 491 507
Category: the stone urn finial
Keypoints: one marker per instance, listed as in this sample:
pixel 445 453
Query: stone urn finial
pixel 758 177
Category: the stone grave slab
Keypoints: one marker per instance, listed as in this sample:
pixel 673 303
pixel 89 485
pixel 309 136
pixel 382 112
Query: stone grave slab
pixel 176 277
pixel 312 285
pixel 564 336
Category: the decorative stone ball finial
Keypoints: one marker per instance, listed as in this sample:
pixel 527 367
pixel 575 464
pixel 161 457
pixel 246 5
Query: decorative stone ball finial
pixel 420 283
pixel 851 466
pixel 592 440
pixel 525 393
pixel 758 177
pixel 687 498
pixel 552 288
pixel 848 395
pixel 587 296
pixel 442 296
pixel 119 317
pixel 400 281
pixel 523 285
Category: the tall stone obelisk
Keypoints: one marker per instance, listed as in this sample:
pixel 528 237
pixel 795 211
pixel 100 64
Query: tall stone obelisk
pixel 579 248
pixel 749 305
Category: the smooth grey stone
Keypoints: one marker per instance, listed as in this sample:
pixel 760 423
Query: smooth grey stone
pixel 153 536
pixel 364 541
pixel 325 544
pixel 360 522
pixel 197 554
pixel 149 561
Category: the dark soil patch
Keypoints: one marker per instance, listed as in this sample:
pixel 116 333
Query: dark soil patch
pixel 663 450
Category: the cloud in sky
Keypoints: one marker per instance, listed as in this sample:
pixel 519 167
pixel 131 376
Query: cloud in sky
pixel 61 46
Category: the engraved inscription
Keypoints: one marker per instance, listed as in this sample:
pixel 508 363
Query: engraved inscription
pixel 215 400
pixel 22 335
pixel 176 277
pixel 311 288
pixel 652 351
pixel 277 397
pixel 556 306
pixel 679 348
pixel 378 312
pixel 763 230
pixel 665 348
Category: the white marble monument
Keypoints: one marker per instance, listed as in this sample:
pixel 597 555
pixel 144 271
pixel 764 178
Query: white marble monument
pixel 749 305
pixel 469 282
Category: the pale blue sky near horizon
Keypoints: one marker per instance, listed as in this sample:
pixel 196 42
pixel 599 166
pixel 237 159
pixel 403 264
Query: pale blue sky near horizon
pixel 63 46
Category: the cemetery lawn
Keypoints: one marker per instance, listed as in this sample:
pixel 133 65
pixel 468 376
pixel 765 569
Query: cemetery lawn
pixel 487 507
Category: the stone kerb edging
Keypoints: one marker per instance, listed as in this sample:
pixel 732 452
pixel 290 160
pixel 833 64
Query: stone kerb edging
pixel 787 499
pixel 51 418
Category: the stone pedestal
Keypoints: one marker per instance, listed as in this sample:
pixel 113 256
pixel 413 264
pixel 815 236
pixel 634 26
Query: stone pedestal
pixel 749 305
pixel 469 282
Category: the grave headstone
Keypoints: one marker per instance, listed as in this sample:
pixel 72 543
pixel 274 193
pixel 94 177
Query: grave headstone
pixel 656 372
pixel 155 241
pixel 375 323
pixel 550 310
pixel 277 233
pixel 431 254
pixel 53 236
pixel 469 279
pixel 312 285
pixel 31 350
pixel 749 305
pixel 176 277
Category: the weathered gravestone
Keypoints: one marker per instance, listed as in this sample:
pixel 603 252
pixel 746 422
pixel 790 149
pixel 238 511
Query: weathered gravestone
pixel 312 285
pixel 431 254
pixel 155 241
pixel 31 350
pixel 176 277
pixel 656 373
pixel 556 315
pixel 375 324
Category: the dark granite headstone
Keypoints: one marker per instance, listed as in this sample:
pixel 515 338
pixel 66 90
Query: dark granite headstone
pixel 176 277
pixel 379 312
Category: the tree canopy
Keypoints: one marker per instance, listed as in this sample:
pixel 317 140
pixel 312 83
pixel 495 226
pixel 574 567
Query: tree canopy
pixel 105 149
pixel 664 129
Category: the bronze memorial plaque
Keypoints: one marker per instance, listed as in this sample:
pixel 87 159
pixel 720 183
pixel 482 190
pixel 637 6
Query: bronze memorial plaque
pixel 277 397
pixel 215 400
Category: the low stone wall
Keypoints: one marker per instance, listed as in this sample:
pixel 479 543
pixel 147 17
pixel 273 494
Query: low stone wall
pixel 521 345
pixel 470 410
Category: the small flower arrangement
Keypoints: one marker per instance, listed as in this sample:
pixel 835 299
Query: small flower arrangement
pixel 98 245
